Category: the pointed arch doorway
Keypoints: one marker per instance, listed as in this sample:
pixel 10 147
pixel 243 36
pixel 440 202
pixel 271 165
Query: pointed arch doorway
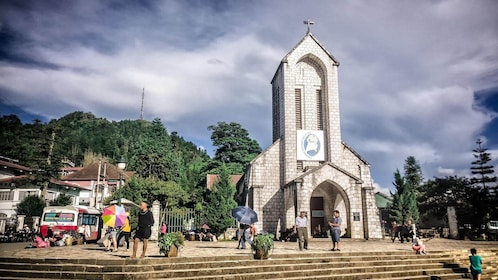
pixel 326 198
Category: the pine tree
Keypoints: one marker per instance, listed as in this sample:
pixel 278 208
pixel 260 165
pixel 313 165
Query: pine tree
pixel 413 173
pixel 485 190
pixel 481 168
pixel 219 202
pixel 404 205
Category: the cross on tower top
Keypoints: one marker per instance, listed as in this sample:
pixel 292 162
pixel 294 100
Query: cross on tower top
pixel 309 22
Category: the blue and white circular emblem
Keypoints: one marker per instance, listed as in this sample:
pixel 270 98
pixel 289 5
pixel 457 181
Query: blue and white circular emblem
pixel 310 144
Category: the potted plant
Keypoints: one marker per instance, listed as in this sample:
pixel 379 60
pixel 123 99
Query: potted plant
pixel 170 243
pixel 261 245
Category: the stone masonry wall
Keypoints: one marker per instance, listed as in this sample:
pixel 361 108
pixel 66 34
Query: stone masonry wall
pixel 264 180
pixel 309 67
pixel 349 188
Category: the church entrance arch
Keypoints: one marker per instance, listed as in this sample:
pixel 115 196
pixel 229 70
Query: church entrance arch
pixel 327 197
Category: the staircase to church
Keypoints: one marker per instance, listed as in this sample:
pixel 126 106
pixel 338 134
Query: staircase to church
pixel 333 265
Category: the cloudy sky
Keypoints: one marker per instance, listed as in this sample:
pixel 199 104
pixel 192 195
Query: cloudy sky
pixel 417 78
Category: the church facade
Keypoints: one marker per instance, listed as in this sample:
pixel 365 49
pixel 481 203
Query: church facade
pixel 308 167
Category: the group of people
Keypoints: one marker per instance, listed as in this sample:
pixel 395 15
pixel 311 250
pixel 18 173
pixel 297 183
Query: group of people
pixel 403 232
pixel 142 232
pixel 112 237
pixel 52 239
pixel 301 224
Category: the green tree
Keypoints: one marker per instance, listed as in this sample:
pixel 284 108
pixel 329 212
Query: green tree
pixel 169 194
pixel 413 173
pixel 234 147
pixel 439 193
pixel 481 167
pixel 487 207
pixel 219 202
pixel 62 200
pixel 152 155
pixel 12 142
pixel 31 206
pixel 404 204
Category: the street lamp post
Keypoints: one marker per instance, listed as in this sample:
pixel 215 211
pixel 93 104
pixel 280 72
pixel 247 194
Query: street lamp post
pixel 121 166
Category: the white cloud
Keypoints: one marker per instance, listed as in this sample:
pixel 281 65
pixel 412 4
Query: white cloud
pixel 445 171
pixel 408 73
pixel 378 188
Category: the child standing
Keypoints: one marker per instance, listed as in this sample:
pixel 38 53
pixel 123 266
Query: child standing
pixel 475 264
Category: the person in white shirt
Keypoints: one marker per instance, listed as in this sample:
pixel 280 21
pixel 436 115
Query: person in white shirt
pixel 301 229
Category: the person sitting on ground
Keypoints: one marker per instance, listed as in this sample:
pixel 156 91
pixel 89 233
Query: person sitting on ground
pixel 418 246
pixel 39 243
pixel 50 239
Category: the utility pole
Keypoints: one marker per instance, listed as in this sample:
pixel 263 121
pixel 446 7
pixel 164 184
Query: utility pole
pixel 50 150
pixel 96 188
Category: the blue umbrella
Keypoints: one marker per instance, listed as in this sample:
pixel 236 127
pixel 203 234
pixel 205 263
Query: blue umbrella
pixel 245 215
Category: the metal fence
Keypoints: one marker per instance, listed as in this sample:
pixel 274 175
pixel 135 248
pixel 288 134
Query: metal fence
pixel 182 219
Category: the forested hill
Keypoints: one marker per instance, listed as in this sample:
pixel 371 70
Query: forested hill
pixel 147 146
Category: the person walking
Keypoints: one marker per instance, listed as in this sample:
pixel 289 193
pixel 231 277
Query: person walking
pixel 335 231
pixel 475 264
pixel 301 229
pixel 253 231
pixel 114 239
pixel 246 237
pixel 240 233
pixel 143 232
pixel 126 232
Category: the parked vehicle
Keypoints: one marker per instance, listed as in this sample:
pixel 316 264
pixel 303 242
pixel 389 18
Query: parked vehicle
pixel 82 219
pixel 492 230
pixel 16 236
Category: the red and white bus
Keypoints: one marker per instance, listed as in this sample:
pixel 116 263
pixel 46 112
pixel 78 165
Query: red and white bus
pixel 72 218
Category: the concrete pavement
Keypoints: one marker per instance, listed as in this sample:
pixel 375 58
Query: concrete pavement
pixel 228 248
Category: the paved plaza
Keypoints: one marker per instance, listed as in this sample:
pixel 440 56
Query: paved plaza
pixel 228 248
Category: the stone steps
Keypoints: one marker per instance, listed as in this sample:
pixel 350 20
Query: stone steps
pixel 310 262
pixel 490 262
pixel 327 265
pixel 335 274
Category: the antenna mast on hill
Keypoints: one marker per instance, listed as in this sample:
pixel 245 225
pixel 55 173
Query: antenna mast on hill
pixel 142 108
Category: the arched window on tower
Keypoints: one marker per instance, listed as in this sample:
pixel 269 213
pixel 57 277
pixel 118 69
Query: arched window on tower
pixel 319 109
pixel 298 101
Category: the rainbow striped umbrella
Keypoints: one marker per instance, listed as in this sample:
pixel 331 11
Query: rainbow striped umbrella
pixel 114 216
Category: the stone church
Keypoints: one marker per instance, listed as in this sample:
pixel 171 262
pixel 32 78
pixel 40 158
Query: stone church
pixel 308 167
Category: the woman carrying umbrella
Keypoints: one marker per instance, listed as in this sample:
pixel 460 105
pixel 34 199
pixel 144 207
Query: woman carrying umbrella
pixel 246 217
pixel 113 216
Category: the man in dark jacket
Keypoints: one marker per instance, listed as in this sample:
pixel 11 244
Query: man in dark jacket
pixel 143 232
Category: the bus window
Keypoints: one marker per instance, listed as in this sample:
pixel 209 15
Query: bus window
pixel 89 219
pixel 58 217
